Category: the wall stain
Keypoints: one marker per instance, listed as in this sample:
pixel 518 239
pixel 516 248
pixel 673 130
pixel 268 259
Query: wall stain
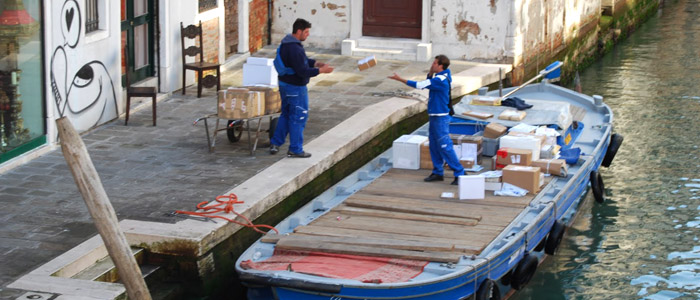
pixel 492 4
pixel 464 28
pixel 313 11
pixel 340 14
pixel 323 4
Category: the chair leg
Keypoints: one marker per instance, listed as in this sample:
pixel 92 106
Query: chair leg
pixel 218 79
pixel 199 84
pixel 128 104
pixel 184 77
pixel 154 110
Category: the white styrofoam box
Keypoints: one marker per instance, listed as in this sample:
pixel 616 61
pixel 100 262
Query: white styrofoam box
pixel 493 186
pixel 406 151
pixel 255 75
pixel 259 61
pixel 469 152
pixel 522 142
pixel 472 187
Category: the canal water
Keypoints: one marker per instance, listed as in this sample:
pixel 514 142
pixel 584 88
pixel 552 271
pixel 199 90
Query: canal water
pixel 643 242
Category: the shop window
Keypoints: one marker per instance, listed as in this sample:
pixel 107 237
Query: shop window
pixel 22 125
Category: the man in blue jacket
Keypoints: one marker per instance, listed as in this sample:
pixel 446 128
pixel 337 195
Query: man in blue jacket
pixel 441 150
pixel 294 70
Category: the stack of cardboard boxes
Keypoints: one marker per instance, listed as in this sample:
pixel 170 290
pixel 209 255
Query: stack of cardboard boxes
pixel 520 158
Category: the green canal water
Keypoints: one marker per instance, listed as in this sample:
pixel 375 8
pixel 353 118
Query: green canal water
pixel 643 242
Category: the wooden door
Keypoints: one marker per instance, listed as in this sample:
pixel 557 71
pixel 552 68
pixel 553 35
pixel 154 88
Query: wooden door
pixel 392 18
pixel 137 32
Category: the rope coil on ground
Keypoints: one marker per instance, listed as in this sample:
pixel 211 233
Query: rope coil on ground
pixel 224 204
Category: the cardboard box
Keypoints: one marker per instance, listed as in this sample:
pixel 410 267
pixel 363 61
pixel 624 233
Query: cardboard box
pixel 459 139
pixel 522 142
pixel 523 176
pixel 512 115
pixel 556 167
pixel 425 161
pixel 273 102
pixel 471 187
pixel 477 114
pixel 493 186
pixel 494 130
pixel 549 151
pixel 257 74
pixel 406 151
pixel 514 156
pixel 366 63
pixel 489 163
pixel 485 100
pixel 239 103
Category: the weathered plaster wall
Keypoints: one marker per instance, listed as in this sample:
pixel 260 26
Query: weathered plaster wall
pixel 330 21
pixel 472 30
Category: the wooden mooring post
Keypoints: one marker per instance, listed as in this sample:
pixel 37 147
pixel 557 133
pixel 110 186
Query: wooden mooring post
pixel 101 210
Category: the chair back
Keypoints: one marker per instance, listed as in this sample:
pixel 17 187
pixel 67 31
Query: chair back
pixel 192 32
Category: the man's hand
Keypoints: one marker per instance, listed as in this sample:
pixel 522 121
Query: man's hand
pixel 397 78
pixel 325 68
pixel 319 65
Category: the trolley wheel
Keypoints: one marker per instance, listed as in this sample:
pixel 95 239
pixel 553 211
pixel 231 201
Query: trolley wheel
pixel 273 126
pixel 597 186
pixel 234 132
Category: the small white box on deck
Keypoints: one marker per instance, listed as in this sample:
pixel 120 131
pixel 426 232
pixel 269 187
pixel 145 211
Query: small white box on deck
pixel 471 187
pixel 259 75
pixel 406 151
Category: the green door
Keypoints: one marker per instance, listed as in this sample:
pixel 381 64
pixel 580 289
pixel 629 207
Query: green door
pixel 137 33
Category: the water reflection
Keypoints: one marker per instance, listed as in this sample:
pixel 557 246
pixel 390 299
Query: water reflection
pixel 642 243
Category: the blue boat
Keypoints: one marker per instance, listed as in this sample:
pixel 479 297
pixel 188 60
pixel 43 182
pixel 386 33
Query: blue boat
pixel 472 249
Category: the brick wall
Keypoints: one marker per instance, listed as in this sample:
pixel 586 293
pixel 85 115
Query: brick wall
pixel 258 25
pixel 231 26
pixel 210 35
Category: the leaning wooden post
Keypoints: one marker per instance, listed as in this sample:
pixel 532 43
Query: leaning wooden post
pixel 101 210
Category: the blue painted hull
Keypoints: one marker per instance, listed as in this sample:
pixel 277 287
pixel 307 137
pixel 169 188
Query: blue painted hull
pixel 500 258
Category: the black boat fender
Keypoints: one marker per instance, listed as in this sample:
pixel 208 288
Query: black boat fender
pixel 615 142
pixel 488 290
pixel 597 186
pixel 524 271
pixel 554 237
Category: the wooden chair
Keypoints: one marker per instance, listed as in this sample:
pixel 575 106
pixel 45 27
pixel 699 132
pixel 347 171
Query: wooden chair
pixel 195 32
pixel 146 91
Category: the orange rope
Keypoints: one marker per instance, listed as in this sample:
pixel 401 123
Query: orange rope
pixel 210 210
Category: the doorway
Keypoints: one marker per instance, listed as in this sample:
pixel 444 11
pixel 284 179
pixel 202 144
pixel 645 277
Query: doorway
pixel 392 18
pixel 137 33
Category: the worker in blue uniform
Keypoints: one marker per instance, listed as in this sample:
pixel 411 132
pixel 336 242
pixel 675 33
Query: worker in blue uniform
pixel 294 69
pixel 441 149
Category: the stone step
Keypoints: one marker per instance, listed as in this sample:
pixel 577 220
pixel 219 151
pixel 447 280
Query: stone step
pixel 387 43
pixel 391 54
pixel 104 270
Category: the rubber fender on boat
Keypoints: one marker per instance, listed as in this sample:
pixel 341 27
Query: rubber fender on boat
pixel 540 246
pixel 524 271
pixel 554 237
pixel 597 186
pixel 615 142
pixel 488 290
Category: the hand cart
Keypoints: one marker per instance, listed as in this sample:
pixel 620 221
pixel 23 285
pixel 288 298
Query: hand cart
pixel 234 129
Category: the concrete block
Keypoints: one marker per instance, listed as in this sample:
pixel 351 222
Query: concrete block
pixel 424 52
pixel 347 47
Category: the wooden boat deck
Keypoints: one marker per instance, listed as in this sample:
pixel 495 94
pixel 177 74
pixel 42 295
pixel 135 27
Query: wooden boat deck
pixel 399 215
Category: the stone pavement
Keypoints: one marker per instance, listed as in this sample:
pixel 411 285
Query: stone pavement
pixel 148 172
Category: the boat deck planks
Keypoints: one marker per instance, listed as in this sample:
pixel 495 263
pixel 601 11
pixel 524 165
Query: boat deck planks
pixel 399 215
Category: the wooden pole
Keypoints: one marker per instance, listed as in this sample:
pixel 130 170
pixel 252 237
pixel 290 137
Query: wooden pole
pixel 101 210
